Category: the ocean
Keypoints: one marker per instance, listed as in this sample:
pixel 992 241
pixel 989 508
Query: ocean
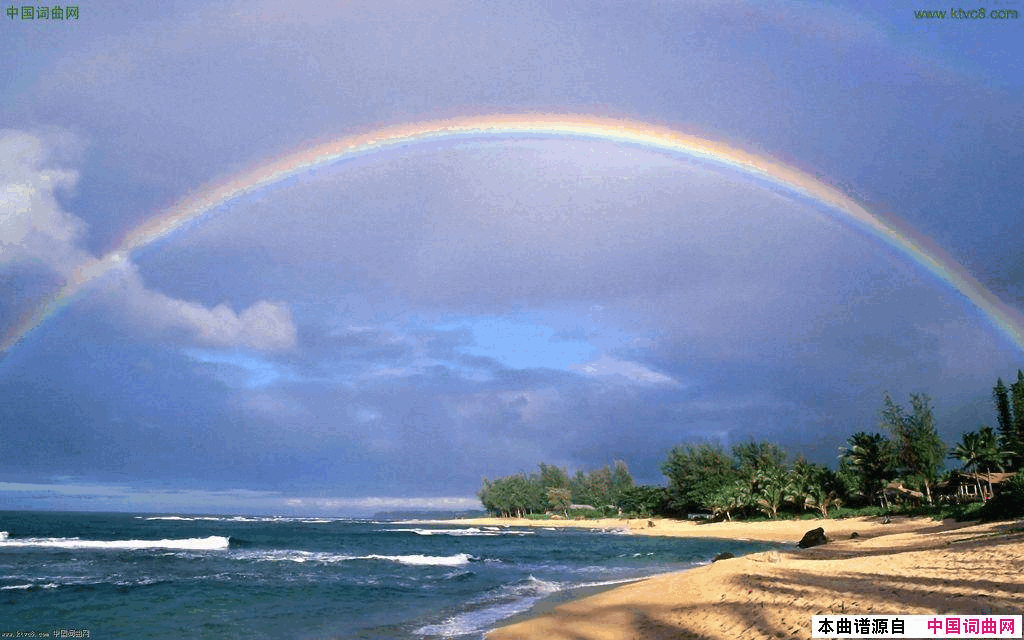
pixel 115 575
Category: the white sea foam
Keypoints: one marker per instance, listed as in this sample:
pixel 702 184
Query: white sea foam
pixel 292 555
pixel 476 622
pixel 141 582
pixel 261 519
pixel 605 583
pixel 72 581
pixel 211 543
pixel 530 587
pixel 456 560
pixel 472 531
pixel 504 602
pixel 19 587
pixel 213 518
pixel 3 536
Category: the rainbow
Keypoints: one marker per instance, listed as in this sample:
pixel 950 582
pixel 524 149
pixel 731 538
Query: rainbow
pixel 579 127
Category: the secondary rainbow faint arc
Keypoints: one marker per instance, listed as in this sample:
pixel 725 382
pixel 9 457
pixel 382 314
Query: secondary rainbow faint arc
pixel 629 132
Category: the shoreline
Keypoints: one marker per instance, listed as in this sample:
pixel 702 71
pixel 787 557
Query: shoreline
pixel 910 566
pixel 781 531
pixel 549 603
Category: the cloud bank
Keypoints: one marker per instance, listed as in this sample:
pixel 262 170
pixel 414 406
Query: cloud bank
pixel 36 231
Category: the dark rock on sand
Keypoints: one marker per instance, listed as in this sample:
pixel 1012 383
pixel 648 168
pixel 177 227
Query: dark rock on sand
pixel 854 535
pixel 725 555
pixel 813 538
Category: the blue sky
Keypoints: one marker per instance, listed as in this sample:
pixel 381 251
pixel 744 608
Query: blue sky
pixel 384 333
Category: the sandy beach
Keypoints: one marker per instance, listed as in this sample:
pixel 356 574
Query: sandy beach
pixel 777 531
pixel 909 566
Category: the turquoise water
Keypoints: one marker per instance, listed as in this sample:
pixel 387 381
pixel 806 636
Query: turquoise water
pixel 151 576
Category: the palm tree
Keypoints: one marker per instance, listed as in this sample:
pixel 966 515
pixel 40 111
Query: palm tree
pixel 773 485
pixel 822 499
pixel 992 454
pixel 813 486
pixel 729 497
pixel 870 456
pixel 978 449
pixel 801 479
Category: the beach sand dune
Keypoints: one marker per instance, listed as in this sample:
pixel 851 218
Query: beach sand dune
pixel 910 566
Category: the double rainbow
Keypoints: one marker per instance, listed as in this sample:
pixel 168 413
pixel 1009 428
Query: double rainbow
pixel 627 132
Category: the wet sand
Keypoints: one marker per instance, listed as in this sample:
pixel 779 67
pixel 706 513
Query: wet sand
pixel 910 566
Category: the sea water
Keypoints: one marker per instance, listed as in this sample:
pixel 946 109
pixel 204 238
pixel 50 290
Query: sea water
pixel 161 576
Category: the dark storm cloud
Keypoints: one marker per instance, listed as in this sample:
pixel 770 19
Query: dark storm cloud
pixel 339 338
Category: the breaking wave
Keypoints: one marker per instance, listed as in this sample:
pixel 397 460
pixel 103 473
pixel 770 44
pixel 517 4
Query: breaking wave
pixel 243 519
pixel 493 606
pixel 456 560
pixel 471 531
pixel 288 555
pixel 211 543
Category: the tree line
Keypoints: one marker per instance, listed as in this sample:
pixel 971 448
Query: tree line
pixel 761 478
pixel 552 489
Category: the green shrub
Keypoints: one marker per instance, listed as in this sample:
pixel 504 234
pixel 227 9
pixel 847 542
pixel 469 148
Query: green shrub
pixel 969 511
pixel 588 514
pixel 1008 503
pixel 924 511
pixel 859 512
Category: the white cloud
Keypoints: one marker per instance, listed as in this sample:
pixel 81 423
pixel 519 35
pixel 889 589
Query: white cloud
pixel 367 415
pixel 267 404
pixel 605 366
pixel 32 225
pixel 264 326
pixel 34 228
pixel 531 404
